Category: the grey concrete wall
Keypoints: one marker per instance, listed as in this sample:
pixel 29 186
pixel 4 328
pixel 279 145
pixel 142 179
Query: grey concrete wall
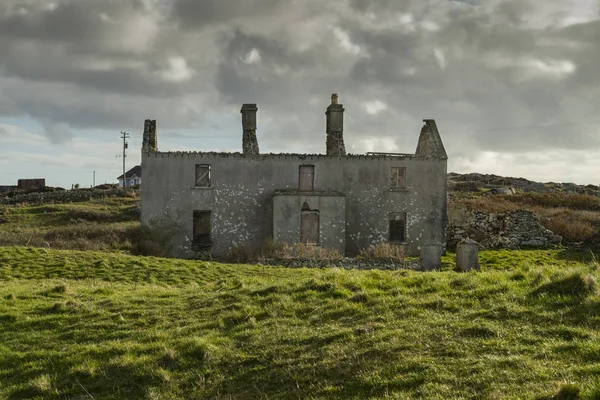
pixel 332 215
pixel 242 187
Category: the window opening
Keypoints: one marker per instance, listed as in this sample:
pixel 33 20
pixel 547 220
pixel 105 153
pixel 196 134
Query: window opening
pixel 307 177
pixel 398 176
pixel 202 175
pixel 397 227
pixel 202 230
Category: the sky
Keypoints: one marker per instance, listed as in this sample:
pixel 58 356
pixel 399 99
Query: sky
pixel 512 84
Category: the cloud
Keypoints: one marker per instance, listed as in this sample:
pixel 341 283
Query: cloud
pixel 11 134
pixel 499 76
pixel 375 107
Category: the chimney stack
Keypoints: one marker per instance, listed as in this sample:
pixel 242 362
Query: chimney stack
pixel 149 139
pixel 335 128
pixel 430 143
pixel 249 140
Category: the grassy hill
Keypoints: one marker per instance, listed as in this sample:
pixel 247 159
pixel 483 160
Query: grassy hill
pixel 101 224
pixel 99 325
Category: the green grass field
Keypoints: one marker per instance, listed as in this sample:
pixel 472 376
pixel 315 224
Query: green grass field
pixel 97 325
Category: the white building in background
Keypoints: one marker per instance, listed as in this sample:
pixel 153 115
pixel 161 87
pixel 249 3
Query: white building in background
pixel 132 177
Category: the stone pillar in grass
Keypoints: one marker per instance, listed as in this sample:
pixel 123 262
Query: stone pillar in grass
pixel 467 255
pixel 431 256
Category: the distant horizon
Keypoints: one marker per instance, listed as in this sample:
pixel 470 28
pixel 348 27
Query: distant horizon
pixel 449 172
pixel 511 84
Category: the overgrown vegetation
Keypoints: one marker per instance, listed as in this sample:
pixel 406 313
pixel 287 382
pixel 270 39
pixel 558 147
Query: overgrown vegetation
pixel 386 252
pixel 108 326
pixel 156 238
pixel 273 250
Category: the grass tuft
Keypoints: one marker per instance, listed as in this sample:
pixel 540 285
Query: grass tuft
pixel 42 384
pixel 359 298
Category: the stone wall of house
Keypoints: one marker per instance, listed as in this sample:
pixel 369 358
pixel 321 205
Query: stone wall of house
pixel 65 196
pixel 511 230
pixel 240 197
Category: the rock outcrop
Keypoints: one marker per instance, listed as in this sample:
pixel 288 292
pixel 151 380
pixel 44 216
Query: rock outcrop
pixel 475 182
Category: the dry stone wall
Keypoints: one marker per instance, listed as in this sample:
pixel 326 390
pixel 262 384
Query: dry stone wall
pixel 511 230
pixel 65 196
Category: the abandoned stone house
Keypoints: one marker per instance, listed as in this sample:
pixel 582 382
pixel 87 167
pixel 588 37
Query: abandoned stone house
pixel 334 200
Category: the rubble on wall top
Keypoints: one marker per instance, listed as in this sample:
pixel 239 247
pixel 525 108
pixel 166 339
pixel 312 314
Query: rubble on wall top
pixel 301 156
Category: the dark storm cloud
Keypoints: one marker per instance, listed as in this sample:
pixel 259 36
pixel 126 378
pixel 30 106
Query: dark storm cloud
pixel 201 13
pixel 498 75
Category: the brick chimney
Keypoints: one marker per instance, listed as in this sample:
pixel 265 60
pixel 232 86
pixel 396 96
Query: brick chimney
pixel 335 128
pixel 149 139
pixel 249 140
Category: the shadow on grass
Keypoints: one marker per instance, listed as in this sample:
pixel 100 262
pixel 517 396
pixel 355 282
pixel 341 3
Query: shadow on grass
pixel 576 286
pixel 579 255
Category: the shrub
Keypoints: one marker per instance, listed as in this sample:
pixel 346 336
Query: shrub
pixel 388 252
pixel 240 254
pixel 155 238
pixel 271 249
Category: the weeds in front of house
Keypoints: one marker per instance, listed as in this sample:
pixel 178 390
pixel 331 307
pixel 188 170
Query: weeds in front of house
pixel 386 252
pixel 301 251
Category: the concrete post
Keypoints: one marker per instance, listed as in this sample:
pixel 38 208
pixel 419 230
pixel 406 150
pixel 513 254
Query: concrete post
pixel 431 256
pixel 335 128
pixel 249 139
pixel 150 137
pixel 467 255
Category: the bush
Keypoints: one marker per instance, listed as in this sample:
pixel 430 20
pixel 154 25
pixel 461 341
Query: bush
pixel 240 254
pixel 271 249
pixel 155 238
pixel 387 252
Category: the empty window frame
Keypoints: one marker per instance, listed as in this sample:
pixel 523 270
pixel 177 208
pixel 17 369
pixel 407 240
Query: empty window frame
pixel 202 175
pixel 306 180
pixel 201 231
pixel 397 225
pixel 398 177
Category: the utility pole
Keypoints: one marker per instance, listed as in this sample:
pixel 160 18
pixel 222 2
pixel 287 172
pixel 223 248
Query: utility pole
pixel 124 136
pixel 94 185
